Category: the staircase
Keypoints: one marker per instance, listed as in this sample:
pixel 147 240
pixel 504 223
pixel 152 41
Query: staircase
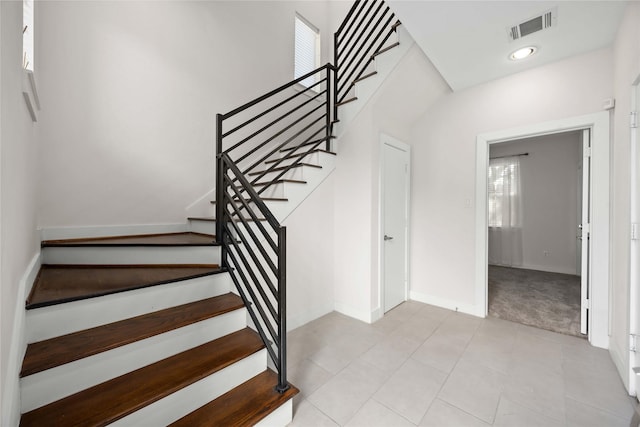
pixel 142 330
pixel 189 328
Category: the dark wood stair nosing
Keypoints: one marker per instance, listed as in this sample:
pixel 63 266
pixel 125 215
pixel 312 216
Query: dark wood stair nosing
pixel 365 76
pixel 385 49
pixel 293 156
pixel 65 300
pixel 119 397
pixel 280 181
pixel 243 406
pixel 282 168
pixel 103 242
pixel 346 101
pixel 57 351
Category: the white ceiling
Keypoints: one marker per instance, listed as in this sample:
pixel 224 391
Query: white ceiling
pixel 467 41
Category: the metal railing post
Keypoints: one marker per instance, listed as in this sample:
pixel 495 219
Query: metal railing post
pixel 335 76
pixel 219 185
pixel 282 310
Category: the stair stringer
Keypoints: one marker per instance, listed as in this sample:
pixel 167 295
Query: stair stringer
pixel 385 63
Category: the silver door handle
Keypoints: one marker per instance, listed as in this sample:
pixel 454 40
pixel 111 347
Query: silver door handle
pixel 388 237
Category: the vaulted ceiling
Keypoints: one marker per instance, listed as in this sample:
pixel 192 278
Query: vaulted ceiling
pixel 469 43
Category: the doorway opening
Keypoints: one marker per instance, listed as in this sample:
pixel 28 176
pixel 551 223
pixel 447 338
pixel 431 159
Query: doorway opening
pixel 597 316
pixel 535 217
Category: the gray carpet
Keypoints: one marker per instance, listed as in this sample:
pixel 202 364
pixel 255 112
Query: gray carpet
pixel 544 300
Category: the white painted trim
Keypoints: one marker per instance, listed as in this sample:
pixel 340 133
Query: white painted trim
pixel 296 321
pixel 11 391
pixel 634 245
pixel 347 310
pixel 452 305
pixel 392 142
pixel 600 211
pixel 542 268
pixel 280 417
pixel 55 233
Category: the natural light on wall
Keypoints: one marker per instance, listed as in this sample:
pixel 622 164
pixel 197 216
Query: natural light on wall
pixel 27 35
pixel 307 53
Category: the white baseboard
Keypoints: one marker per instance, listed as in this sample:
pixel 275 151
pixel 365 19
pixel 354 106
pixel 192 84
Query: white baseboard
pixel 618 358
pixel 544 268
pixel 347 310
pixel 18 347
pixel 55 233
pixel 473 310
pixel 298 320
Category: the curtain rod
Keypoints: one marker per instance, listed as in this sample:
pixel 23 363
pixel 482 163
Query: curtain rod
pixel 510 155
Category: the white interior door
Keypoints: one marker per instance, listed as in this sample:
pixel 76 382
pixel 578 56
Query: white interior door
pixel 634 277
pixel 585 231
pixel 395 211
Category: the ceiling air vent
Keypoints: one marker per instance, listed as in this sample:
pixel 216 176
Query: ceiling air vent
pixel 533 25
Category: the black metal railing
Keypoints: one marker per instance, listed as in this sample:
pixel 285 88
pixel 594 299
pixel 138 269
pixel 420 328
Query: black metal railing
pixel 363 33
pixel 257 144
pixel 262 141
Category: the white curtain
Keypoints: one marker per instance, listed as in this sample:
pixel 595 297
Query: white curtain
pixel 505 212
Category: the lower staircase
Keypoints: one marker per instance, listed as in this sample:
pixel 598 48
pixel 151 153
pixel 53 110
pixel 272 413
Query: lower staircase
pixel 143 330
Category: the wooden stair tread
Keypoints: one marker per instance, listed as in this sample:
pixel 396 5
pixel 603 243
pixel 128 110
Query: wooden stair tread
pixel 164 239
pixel 58 284
pixel 346 101
pixel 279 181
pixel 114 399
pixel 212 218
pixel 383 50
pixel 315 142
pixel 293 156
pixel 245 405
pixel 78 345
pixel 365 76
pixel 281 168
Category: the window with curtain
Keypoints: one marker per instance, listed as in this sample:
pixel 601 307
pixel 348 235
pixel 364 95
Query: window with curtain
pixel 307 50
pixel 505 211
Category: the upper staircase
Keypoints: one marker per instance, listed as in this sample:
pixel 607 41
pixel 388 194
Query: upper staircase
pixel 189 328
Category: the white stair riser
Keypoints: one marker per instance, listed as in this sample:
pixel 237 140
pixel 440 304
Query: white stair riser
pixel 294 173
pixel 365 89
pixel 48 322
pixel 48 386
pixel 280 417
pixel 188 399
pixel 132 255
pixel 200 226
pixel 311 158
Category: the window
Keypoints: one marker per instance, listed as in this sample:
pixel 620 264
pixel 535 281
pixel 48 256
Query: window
pixel 27 35
pixel 307 53
pixel 504 192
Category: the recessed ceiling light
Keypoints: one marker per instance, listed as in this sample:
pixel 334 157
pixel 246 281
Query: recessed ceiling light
pixel 523 53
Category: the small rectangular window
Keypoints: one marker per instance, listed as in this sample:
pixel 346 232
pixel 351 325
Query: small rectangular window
pixel 307 50
pixel 27 35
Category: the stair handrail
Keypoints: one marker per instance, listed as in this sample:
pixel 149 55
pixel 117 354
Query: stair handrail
pixel 352 54
pixel 253 242
pixel 255 259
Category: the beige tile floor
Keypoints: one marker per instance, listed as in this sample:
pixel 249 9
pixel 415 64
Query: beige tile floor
pixel 425 366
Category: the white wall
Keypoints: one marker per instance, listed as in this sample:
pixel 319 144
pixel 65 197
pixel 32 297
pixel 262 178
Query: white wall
pixel 402 98
pixel 130 91
pixel 626 60
pixel 444 145
pixel 18 172
pixel 310 245
pixel 550 199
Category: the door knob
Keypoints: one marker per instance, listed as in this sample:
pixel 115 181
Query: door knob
pixel 388 237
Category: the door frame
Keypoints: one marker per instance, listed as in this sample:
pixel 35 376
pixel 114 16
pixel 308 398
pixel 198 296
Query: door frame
pixel 393 142
pixel 634 245
pixel 600 211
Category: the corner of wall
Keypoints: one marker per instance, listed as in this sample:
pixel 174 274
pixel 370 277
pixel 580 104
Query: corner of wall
pixel 18 347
